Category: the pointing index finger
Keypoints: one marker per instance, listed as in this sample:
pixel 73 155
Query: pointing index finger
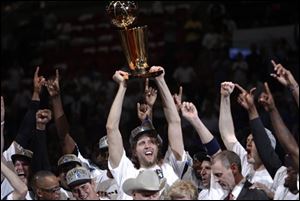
pixel 36 73
pixel 180 91
pixel 146 84
pixel 273 62
pixel 240 88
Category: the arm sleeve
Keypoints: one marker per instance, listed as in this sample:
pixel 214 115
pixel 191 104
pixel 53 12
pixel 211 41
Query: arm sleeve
pixel 40 160
pixel 263 145
pixel 212 147
pixel 25 132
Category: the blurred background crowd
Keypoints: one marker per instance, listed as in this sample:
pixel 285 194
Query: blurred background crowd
pixel 200 45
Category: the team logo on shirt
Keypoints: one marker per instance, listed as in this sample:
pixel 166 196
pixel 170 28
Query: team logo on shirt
pixel 159 173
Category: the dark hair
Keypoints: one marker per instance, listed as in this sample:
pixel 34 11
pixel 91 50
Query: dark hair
pixel 40 175
pixel 19 157
pixel 134 158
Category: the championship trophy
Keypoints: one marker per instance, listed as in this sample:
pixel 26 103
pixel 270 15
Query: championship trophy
pixel 134 40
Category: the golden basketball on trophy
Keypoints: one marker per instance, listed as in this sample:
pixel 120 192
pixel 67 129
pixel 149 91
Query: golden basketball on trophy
pixel 134 40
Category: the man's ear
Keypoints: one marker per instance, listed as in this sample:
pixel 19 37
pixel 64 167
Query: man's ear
pixel 234 168
pixel 39 192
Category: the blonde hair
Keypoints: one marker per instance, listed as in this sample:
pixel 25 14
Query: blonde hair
pixel 182 188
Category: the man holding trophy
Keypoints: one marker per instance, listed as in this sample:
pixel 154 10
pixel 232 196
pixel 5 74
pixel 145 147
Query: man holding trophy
pixel 144 140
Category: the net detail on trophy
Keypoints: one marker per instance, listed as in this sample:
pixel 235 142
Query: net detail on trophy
pixel 134 40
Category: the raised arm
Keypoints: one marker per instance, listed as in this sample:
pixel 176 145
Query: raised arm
pixel 20 188
pixel 40 160
pixel 225 120
pixel 2 123
pixel 27 126
pixel 67 142
pixel 262 142
pixel 172 116
pixel 286 78
pixel 283 134
pixel 115 142
pixel 190 113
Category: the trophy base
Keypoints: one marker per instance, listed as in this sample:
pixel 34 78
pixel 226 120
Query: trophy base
pixel 145 74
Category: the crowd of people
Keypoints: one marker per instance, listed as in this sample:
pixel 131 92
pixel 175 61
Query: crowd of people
pixel 144 171
pixel 78 134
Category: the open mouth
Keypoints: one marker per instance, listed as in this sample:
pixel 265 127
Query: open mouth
pixel 21 174
pixel 149 153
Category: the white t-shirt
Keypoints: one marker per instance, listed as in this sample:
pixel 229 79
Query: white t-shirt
pixel 29 196
pixel 204 194
pixel 6 188
pixel 279 178
pixel 215 192
pixel 102 181
pixel 126 170
pixel 261 176
pixel 298 181
pixel 283 193
pixel 178 165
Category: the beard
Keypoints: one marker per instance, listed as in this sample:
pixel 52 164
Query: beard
pixel 144 162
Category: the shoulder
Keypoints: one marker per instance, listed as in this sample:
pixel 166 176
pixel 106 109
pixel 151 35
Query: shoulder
pixel 255 194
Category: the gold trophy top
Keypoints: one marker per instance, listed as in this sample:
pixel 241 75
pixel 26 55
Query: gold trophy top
pixel 122 13
pixel 134 41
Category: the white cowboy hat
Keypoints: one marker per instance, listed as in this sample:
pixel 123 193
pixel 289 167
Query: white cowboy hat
pixel 147 180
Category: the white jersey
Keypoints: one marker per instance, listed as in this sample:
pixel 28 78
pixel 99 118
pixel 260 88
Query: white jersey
pixel 283 193
pixel 261 176
pixel 126 170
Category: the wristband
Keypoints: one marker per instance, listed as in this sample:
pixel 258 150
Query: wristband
pixel 212 147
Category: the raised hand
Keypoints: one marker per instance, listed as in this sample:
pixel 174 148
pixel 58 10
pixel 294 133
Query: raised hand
pixel 2 110
pixel 38 81
pixel 150 94
pixel 227 88
pixel 53 85
pixel 158 68
pixel 283 75
pixel 266 99
pixel 144 111
pixel 178 98
pixel 42 118
pixel 246 99
pixel 189 111
pixel 120 77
